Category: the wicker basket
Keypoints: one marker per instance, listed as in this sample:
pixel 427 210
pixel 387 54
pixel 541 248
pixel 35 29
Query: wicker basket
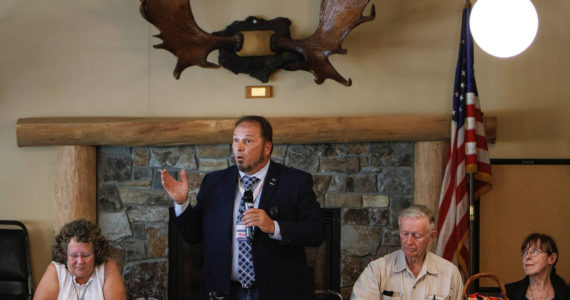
pixel 479 275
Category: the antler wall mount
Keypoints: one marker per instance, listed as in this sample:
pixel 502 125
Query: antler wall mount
pixel 181 35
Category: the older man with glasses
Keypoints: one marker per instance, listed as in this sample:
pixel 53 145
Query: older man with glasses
pixel 412 272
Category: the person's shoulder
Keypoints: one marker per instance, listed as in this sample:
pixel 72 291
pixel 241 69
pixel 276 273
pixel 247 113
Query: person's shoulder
pixel 215 175
pixel 514 284
pixel 57 266
pixel 55 263
pixel 109 262
pixel 517 289
pixel 390 258
pixel 438 259
pixel 291 171
pixel 442 262
pixel 561 288
pixel 565 291
pixel 376 265
pixel 393 255
pixel 110 268
pixel 386 264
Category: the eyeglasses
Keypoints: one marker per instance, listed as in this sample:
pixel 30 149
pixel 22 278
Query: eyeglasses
pixel 416 235
pixel 77 255
pixel 532 252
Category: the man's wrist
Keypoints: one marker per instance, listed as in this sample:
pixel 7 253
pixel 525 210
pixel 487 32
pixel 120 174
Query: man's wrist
pixel 181 202
pixel 180 208
pixel 276 235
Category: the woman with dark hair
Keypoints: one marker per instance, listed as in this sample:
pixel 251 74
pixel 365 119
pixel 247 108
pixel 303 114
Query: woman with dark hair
pixel 539 256
pixel 81 267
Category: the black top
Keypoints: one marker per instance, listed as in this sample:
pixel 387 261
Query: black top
pixel 517 290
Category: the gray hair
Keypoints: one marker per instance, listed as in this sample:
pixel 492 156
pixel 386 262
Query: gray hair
pixel 418 211
pixel 82 231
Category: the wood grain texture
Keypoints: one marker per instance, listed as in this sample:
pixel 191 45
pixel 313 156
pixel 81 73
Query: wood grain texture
pixel 119 131
pixel 429 167
pixel 75 184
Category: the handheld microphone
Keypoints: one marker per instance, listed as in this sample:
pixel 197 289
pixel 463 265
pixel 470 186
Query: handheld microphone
pixel 248 200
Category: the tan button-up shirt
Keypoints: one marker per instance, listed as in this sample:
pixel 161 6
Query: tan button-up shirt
pixel 390 278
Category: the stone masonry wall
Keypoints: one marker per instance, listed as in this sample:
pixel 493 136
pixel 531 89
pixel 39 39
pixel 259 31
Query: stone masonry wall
pixel 371 182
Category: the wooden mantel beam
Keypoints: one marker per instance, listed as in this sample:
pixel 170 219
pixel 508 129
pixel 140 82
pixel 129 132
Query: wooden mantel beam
pixel 119 131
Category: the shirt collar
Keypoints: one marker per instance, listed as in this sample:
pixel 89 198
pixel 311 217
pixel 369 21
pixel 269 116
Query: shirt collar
pixel 400 263
pixel 430 266
pixel 259 174
pixel 85 284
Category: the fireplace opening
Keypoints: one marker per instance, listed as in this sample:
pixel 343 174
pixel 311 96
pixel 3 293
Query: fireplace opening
pixel 186 261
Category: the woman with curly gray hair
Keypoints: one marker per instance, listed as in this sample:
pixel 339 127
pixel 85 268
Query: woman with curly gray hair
pixel 81 267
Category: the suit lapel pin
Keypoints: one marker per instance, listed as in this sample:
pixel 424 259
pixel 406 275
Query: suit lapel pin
pixel 273 181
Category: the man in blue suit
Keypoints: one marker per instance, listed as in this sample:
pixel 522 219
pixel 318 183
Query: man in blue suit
pixel 270 263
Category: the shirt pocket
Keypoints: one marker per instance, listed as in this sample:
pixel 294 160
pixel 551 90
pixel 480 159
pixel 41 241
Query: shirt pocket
pixel 385 295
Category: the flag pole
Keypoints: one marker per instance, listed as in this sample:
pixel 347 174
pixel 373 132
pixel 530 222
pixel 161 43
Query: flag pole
pixel 471 206
pixel 471 225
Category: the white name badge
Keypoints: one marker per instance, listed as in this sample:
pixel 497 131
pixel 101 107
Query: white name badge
pixel 240 232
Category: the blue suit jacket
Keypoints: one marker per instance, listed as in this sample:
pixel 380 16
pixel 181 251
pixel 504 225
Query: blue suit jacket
pixel 281 269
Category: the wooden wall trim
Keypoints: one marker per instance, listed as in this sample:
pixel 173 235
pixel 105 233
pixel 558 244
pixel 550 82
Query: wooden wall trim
pixel 119 131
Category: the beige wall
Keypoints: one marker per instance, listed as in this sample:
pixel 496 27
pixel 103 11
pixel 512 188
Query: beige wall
pixel 519 190
pixel 94 58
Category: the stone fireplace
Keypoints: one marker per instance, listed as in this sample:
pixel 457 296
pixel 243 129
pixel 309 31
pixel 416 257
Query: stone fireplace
pixel 357 163
pixel 369 182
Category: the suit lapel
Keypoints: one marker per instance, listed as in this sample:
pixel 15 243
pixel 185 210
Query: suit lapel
pixel 228 193
pixel 270 185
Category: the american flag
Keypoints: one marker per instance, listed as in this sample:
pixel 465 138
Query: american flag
pixel 467 153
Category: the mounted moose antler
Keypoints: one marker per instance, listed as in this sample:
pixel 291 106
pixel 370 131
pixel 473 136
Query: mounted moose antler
pixel 191 45
pixel 182 36
pixel 338 18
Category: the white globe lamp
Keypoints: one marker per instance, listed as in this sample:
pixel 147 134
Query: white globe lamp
pixel 503 28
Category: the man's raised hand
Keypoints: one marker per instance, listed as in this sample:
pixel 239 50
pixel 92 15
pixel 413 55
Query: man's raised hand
pixel 177 190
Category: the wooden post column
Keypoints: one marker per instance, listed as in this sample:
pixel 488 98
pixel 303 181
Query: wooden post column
pixel 75 184
pixel 429 164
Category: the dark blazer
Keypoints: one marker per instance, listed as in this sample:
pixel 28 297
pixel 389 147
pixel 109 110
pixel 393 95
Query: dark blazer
pixel 517 290
pixel 281 269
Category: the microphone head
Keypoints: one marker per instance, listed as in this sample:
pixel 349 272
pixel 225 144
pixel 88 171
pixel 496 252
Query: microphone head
pixel 248 196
